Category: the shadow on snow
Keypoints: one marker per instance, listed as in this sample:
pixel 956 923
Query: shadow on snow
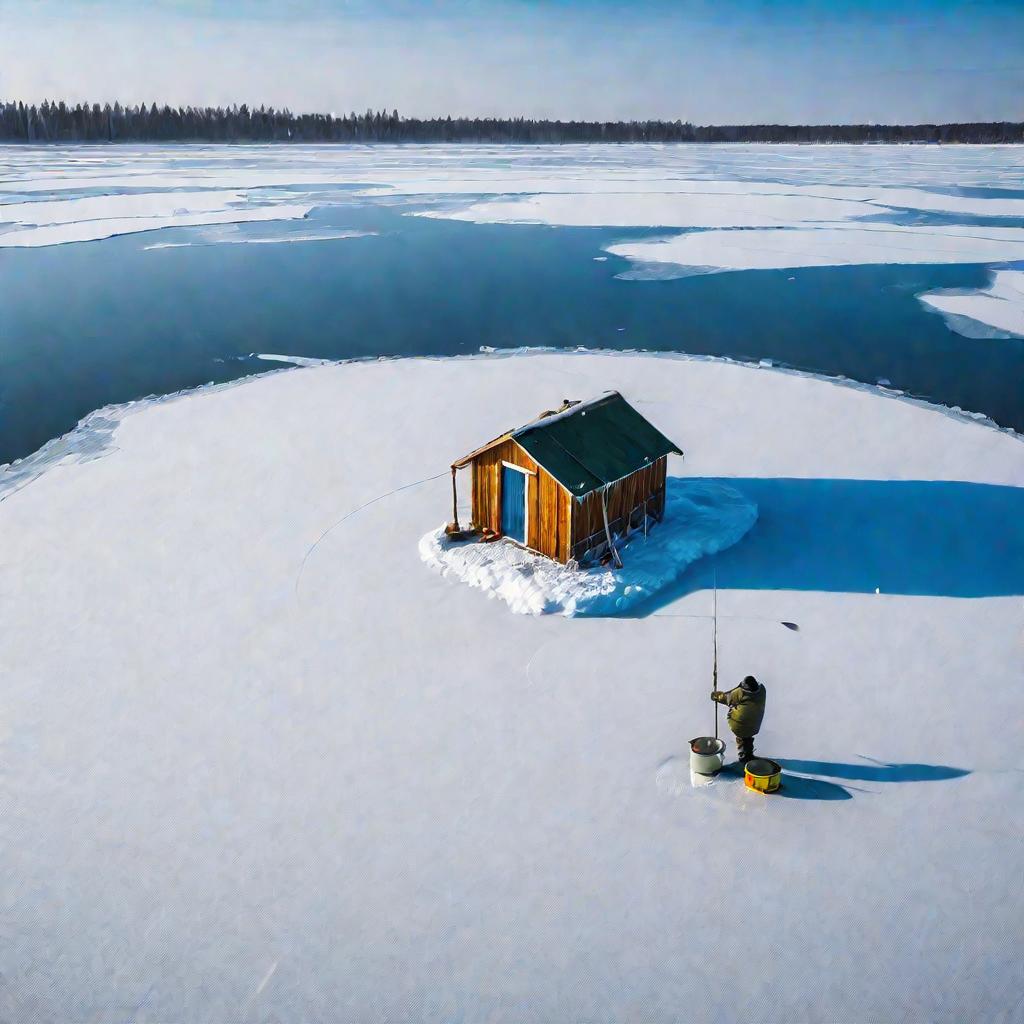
pixel 875 771
pixel 914 537
pixel 800 787
pixel 796 787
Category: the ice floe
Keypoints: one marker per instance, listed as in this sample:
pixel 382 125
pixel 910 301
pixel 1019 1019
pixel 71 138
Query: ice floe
pixel 664 209
pixel 710 204
pixel 829 245
pixel 232 236
pixel 498 169
pixel 110 207
pixel 94 230
pixel 700 187
pixel 45 222
pixel 983 312
pixel 274 357
pixel 701 518
pixel 207 772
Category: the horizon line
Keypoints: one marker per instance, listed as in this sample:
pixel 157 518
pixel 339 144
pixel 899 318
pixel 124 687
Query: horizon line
pixel 393 114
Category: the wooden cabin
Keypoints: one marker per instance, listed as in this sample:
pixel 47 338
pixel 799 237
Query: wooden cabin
pixel 566 483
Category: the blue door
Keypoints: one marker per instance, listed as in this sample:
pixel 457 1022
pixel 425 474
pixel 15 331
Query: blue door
pixel 513 504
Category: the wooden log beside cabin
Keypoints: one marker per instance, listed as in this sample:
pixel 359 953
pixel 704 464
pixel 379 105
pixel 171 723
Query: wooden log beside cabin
pixel 567 482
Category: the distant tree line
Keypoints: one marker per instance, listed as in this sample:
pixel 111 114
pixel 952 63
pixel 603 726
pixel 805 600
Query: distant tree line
pixel 83 122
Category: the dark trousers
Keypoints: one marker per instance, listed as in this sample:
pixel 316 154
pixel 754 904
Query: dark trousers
pixel 745 747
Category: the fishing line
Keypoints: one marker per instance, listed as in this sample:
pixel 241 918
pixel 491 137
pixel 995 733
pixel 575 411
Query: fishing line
pixel 350 514
pixel 745 618
pixel 714 671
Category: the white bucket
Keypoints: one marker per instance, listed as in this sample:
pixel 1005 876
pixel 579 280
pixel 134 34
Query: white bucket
pixel 706 755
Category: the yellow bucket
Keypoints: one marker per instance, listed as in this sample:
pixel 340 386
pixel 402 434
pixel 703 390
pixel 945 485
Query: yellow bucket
pixel 763 775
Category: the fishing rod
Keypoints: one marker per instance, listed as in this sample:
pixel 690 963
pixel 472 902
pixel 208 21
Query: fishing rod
pixel 714 643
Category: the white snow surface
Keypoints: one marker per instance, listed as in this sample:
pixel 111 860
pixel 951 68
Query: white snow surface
pixel 701 518
pixel 233 792
pixel 1000 306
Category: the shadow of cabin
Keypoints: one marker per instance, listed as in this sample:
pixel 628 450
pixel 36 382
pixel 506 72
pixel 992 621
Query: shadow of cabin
pixel 566 483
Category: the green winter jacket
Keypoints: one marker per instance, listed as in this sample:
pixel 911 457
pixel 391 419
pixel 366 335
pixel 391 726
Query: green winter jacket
pixel 746 710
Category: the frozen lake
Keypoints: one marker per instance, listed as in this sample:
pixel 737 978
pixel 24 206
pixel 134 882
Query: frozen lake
pixel 129 271
pixel 258 761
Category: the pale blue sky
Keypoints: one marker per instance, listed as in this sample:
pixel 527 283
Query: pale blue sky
pixel 739 61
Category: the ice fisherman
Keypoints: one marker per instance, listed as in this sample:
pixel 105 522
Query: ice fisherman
pixel 746 711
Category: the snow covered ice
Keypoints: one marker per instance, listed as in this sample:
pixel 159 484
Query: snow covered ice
pixel 230 791
pixel 823 245
pixel 742 208
pixel 997 310
pixel 701 518
pixel 59 222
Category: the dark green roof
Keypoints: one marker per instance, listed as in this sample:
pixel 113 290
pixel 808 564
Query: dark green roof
pixel 594 443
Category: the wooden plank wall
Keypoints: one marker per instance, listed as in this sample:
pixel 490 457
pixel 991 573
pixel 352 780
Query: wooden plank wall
pixel 550 515
pixel 623 497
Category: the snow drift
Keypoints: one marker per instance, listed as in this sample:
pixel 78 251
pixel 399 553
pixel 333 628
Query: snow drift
pixel 701 518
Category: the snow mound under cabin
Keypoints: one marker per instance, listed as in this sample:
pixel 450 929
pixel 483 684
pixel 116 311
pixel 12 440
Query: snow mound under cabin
pixel 701 518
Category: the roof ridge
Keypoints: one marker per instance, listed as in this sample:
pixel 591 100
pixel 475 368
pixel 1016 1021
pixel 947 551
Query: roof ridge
pixel 582 406
pixel 617 439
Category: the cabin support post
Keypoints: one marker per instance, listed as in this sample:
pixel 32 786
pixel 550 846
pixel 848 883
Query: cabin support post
pixel 453 526
pixel 616 557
